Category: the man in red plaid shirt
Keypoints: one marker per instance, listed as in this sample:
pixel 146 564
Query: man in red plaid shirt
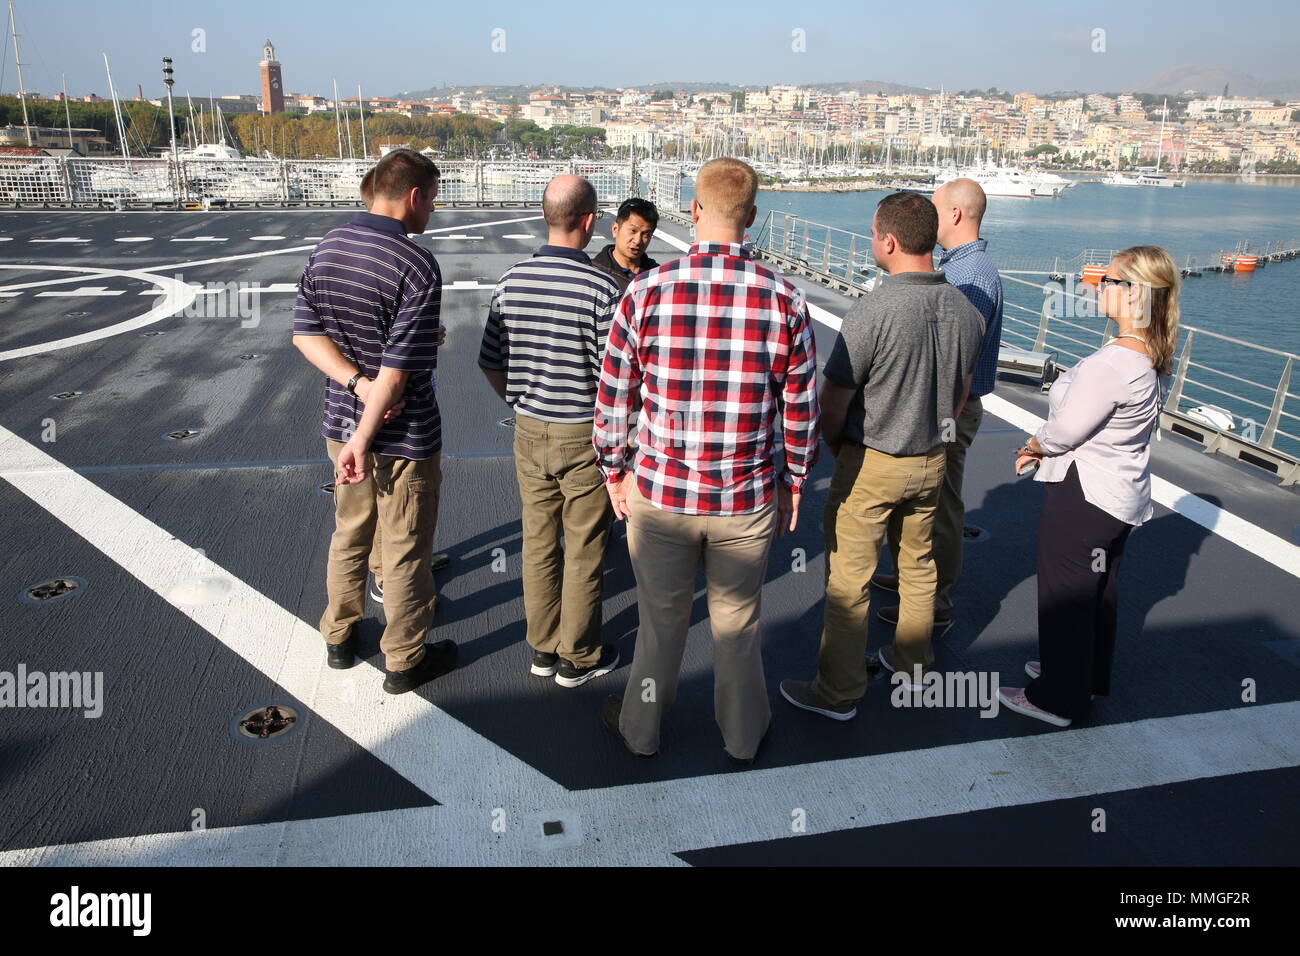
pixel 717 352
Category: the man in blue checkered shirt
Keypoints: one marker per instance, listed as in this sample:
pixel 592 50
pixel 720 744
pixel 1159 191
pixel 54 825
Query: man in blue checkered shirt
pixel 967 265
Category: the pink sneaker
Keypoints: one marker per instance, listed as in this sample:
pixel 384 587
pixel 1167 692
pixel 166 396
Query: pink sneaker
pixel 1014 698
pixel 1035 670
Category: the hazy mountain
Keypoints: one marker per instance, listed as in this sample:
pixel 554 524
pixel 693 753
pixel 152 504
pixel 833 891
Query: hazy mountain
pixel 871 86
pixel 521 92
pixel 1208 78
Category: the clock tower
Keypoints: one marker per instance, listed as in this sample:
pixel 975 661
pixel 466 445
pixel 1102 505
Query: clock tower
pixel 272 82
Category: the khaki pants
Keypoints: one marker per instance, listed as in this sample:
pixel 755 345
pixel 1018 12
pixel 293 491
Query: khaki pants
pixel 400 499
pixel 562 490
pixel 867 488
pixel 666 550
pixel 950 516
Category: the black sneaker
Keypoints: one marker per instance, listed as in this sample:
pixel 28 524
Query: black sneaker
pixel 569 675
pixel 440 562
pixel 544 665
pixel 377 594
pixel 341 656
pixel 438 659
pixel 610 709
pixel 800 693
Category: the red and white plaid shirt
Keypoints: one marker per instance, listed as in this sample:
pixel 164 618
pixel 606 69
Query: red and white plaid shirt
pixel 709 345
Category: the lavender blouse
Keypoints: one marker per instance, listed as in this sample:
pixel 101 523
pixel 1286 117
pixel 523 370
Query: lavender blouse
pixel 1102 412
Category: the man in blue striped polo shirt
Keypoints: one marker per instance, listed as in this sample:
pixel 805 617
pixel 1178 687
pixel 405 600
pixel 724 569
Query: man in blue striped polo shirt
pixel 368 317
pixel 542 348
pixel 966 264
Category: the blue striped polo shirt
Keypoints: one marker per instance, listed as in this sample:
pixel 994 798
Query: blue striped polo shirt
pixel 378 296
pixel 546 329
pixel 970 268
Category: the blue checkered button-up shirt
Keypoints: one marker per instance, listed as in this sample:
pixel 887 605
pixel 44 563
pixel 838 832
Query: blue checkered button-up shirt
pixel 971 270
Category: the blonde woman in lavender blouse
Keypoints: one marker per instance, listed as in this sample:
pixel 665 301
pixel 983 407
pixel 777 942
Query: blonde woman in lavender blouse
pixel 1093 454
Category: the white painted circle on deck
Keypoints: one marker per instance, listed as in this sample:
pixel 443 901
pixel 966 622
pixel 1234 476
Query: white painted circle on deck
pixel 174 296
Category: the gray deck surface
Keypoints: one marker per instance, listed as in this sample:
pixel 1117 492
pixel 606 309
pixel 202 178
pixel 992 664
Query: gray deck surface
pixel 466 772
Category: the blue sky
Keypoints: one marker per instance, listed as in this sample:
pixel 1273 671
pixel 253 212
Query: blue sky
pixel 405 45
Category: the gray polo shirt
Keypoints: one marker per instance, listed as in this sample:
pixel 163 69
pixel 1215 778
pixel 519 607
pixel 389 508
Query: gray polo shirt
pixel 906 348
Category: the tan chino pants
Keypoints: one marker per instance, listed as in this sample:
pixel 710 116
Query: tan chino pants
pixel 667 548
pixel 400 498
pixel 867 488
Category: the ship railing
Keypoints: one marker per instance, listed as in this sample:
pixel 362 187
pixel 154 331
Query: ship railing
pixel 1049 313
pixel 53 181
pixel 837 256
pixel 663 186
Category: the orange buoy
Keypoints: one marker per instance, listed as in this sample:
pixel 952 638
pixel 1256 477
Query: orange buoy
pixel 1092 274
pixel 1247 263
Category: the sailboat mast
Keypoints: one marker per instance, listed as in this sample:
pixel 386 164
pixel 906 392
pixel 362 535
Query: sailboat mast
pixel 117 110
pixel 362 105
pixel 22 90
pixel 67 111
pixel 338 123
pixel 1160 147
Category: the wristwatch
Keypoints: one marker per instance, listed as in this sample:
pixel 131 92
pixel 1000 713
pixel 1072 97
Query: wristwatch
pixel 352 382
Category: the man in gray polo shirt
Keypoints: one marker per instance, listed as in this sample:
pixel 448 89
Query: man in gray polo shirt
pixel 894 387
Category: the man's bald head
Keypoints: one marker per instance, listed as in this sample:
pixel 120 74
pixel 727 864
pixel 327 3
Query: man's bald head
pixel 960 205
pixel 566 200
pixel 966 195
pixel 725 189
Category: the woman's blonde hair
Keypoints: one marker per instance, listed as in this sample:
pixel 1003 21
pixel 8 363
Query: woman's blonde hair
pixel 1154 271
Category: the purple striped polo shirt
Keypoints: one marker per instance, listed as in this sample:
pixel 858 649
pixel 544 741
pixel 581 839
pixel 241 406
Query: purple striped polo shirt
pixel 378 296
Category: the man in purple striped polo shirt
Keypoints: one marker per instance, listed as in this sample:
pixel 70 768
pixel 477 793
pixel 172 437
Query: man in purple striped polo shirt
pixel 368 317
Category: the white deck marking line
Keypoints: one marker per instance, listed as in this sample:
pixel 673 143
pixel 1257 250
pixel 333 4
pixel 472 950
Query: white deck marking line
pixel 83 290
pixel 646 824
pixel 175 297
pixel 421 742
pixel 60 239
pixel 287 249
pixel 199 239
pixel 134 239
pixel 466 284
pixel 265 238
pixel 519 235
pixel 81 275
pixel 457 237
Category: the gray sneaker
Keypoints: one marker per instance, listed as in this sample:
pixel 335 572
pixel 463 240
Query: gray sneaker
pixel 800 693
